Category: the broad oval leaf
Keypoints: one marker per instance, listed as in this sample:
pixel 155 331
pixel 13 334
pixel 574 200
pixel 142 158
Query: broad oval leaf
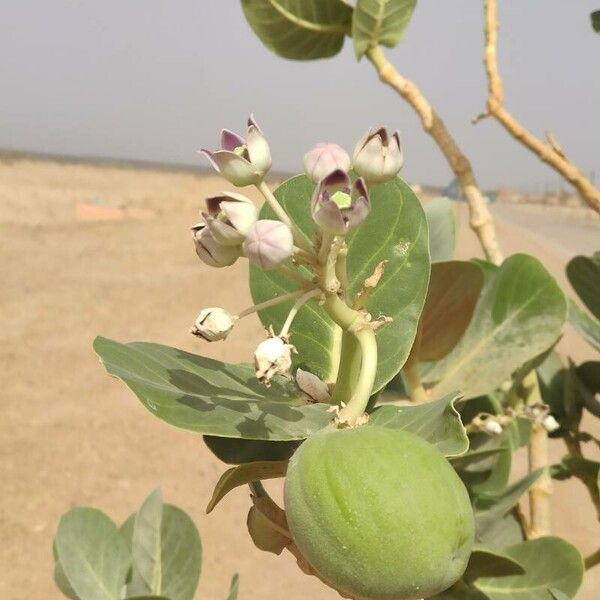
pixel 380 22
pixel 246 473
pixel 92 554
pixel 304 30
pixel 520 314
pixel 437 422
pixel 588 380
pixel 585 325
pixel 395 231
pixel 442 229
pixel 584 275
pixel 239 451
pixel 179 548
pixel 549 562
pixel 454 288
pixel 208 396
pixel 490 562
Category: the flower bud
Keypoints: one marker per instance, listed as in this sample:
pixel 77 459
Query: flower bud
pixel 377 156
pixel 229 217
pixel 242 161
pixel 213 324
pixel 336 206
pixel 550 424
pixel 313 387
pixel 210 251
pixel 492 427
pixel 269 244
pixel 323 159
pixel 272 357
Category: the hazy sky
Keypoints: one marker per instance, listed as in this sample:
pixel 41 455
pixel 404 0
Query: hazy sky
pixel 157 79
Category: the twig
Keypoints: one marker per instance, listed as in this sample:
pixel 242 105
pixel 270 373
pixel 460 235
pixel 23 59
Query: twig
pixel 479 215
pixel 592 560
pixel 549 152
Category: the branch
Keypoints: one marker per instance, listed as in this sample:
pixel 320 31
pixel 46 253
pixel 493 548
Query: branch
pixel 549 152
pixel 479 215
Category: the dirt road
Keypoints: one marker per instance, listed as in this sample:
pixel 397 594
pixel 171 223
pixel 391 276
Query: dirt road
pixel 70 435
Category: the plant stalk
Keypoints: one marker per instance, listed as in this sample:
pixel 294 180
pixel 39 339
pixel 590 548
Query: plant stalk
pixel 480 217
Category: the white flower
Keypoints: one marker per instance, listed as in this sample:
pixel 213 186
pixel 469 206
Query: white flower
pixel 269 244
pixel 377 156
pixel 492 427
pixel 210 251
pixel 272 357
pixel 323 159
pixel 312 386
pixel 550 424
pixel 229 216
pixel 213 324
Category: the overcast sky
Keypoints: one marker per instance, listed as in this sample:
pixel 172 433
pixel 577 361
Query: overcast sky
pixel 157 79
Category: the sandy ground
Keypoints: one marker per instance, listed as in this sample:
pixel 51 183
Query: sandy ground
pixel 70 435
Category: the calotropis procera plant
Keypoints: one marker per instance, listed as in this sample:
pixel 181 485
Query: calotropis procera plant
pixel 392 388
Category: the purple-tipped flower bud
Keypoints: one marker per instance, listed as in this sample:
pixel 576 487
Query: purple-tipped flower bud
pixel 229 217
pixel 337 206
pixel 323 159
pixel 378 157
pixel 210 251
pixel 272 357
pixel 242 161
pixel 213 324
pixel 269 244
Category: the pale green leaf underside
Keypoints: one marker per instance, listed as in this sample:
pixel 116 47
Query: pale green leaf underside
pixel 442 229
pixel 208 396
pixel 586 326
pixel 437 422
pixel 396 231
pixel 550 563
pixel 520 314
pixel 380 22
pixel 299 29
pixel 93 556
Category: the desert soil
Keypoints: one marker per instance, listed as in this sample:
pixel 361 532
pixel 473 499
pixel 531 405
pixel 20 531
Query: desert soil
pixel 70 435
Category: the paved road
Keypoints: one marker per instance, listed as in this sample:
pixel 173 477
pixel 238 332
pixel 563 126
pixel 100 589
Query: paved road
pixel 566 236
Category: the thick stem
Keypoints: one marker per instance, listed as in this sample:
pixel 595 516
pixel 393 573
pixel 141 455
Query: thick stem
pixel 350 360
pixel 479 215
pixel 415 386
pixel 549 152
pixel 299 237
pixel 537 452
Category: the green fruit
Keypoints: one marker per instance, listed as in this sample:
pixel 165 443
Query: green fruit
pixel 378 513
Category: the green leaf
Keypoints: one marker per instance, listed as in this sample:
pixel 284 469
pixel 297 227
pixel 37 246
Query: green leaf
pixel 147 598
pixel 146 547
pixel 395 231
pixel 180 550
pixel 92 554
pixel 437 422
pixel 304 30
pixel 595 19
pixel 549 562
pixel 551 379
pixel 584 275
pixel 454 289
pixel 62 583
pixel 243 474
pixel 209 396
pixel 234 587
pixel 236 452
pixel 442 229
pixel 380 22
pixel 585 325
pixel 490 562
pixel 588 379
pixel 502 532
pixel 520 314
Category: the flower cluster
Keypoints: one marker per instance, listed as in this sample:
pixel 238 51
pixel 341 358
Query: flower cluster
pixel 231 228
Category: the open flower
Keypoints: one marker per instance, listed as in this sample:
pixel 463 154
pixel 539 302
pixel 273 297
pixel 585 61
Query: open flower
pixel 337 206
pixel 272 357
pixel 229 217
pixel 269 243
pixel 242 161
pixel 377 156
pixel 210 251
pixel 323 159
pixel 213 324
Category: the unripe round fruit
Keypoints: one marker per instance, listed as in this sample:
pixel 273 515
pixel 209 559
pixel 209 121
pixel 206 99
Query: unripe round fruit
pixel 378 513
